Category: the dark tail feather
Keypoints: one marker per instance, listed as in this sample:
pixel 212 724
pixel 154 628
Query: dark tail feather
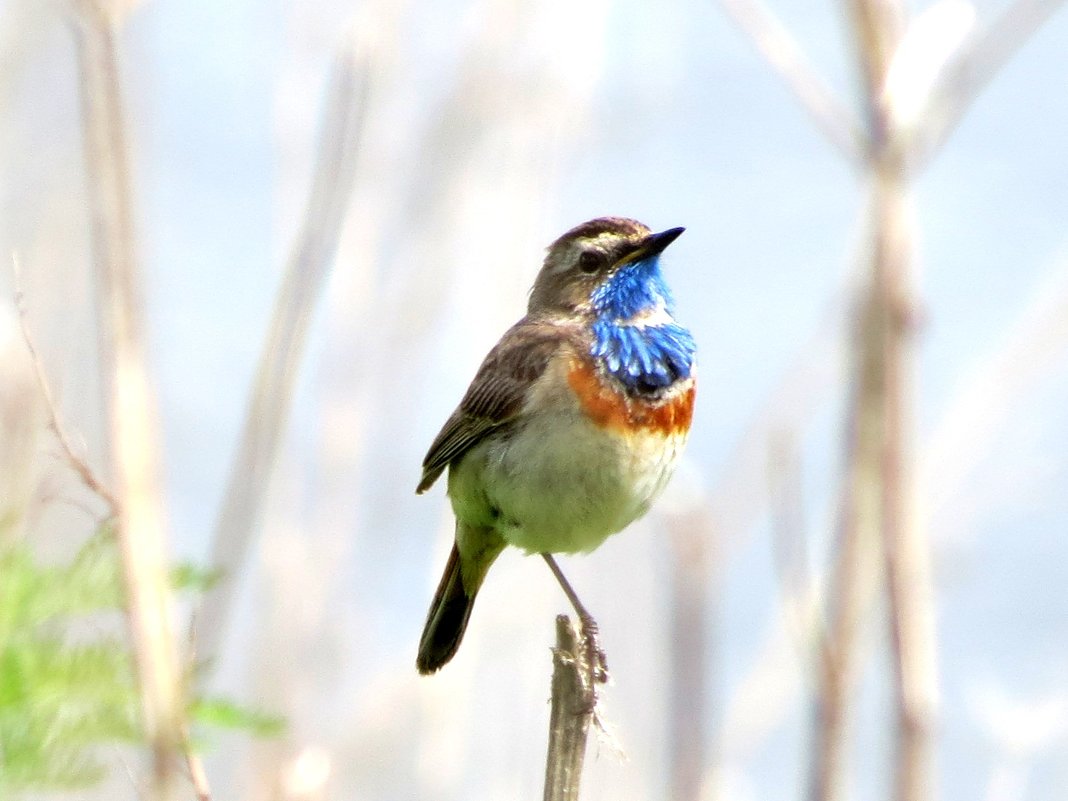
pixel 447 619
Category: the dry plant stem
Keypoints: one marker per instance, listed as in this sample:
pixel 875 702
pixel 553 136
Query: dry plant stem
pixel 128 399
pixel 877 500
pixel 964 77
pixel 788 518
pixel 1037 345
pixel 780 50
pixel 738 495
pixel 77 463
pixel 570 715
pixel 857 568
pixel 877 29
pixel 305 277
pixel 880 504
pixel 197 775
pixel 905 547
pixel 878 25
pixel 880 418
pixel 690 585
pixel 855 571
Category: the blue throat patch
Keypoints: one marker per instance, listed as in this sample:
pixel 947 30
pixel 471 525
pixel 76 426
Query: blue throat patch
pixel 641 357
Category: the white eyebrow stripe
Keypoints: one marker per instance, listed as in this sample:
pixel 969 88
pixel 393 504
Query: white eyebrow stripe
pixel 604 242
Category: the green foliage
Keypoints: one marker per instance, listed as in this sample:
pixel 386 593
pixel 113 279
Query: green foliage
pixel 221 713
pixel 63 685
pixel 193 578
pixel 67 684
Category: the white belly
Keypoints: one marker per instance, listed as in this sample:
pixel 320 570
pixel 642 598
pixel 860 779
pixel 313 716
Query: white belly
pixel 560 483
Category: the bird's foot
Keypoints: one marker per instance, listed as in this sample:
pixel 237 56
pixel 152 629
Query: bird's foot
pixel 596 662
pixel 593 658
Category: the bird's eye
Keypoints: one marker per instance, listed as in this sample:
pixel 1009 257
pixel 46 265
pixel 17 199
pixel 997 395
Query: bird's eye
pixel 590 261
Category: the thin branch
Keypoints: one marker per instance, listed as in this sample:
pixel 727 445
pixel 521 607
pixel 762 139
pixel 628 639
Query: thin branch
pixel 198 777
pixel 76 462
pixel 786 501
pixel 1036 344
pixel 307 271
pixel 933 38
pixel 964 77
pixel 883 504
pixel 737 497
pixel 692 543
pixel 802 592
pixel 1038 340
pixel 784 55
pixel 765 694
pixel 570 715
pixel 128 397
pixel 854 575
pixel 878 26
pixel 877 498
pixel 904 540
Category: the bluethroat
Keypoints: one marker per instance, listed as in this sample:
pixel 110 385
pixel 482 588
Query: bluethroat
pixel 573 423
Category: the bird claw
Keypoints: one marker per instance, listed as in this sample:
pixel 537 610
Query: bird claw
pixel 594 660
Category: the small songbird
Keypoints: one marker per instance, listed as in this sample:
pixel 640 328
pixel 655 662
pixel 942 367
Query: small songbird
pixel 573 423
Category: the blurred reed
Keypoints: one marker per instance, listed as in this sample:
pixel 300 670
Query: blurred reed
pixel 129 398
pixel 306 274
pixel 881 538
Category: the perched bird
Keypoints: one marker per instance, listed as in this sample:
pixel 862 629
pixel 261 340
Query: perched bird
pixel 574 421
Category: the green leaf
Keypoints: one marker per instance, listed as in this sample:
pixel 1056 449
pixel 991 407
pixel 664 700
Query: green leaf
pixel 67 684
pixel 187 576
pixel 225 714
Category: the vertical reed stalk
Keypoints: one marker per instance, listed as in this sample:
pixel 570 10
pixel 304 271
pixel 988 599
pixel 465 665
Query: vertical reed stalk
pixel 573 702
pixel 306 274
pixel 128 397
pixel 691 585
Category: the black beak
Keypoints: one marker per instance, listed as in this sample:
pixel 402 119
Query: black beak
pixel 655 243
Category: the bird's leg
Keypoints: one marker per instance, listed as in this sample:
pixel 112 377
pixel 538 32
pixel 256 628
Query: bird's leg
pixel 596 664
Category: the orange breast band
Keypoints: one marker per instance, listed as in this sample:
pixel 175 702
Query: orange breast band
pixel 610 408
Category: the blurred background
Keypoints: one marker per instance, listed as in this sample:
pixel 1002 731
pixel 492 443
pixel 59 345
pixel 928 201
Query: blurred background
pixel 484 129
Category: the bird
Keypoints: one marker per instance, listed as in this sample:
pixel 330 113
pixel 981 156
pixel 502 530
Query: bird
pixel 573 423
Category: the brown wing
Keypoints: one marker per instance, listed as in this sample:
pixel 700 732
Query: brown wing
pixel 495 398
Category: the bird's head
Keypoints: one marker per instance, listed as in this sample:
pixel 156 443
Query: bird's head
pixel 608 267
